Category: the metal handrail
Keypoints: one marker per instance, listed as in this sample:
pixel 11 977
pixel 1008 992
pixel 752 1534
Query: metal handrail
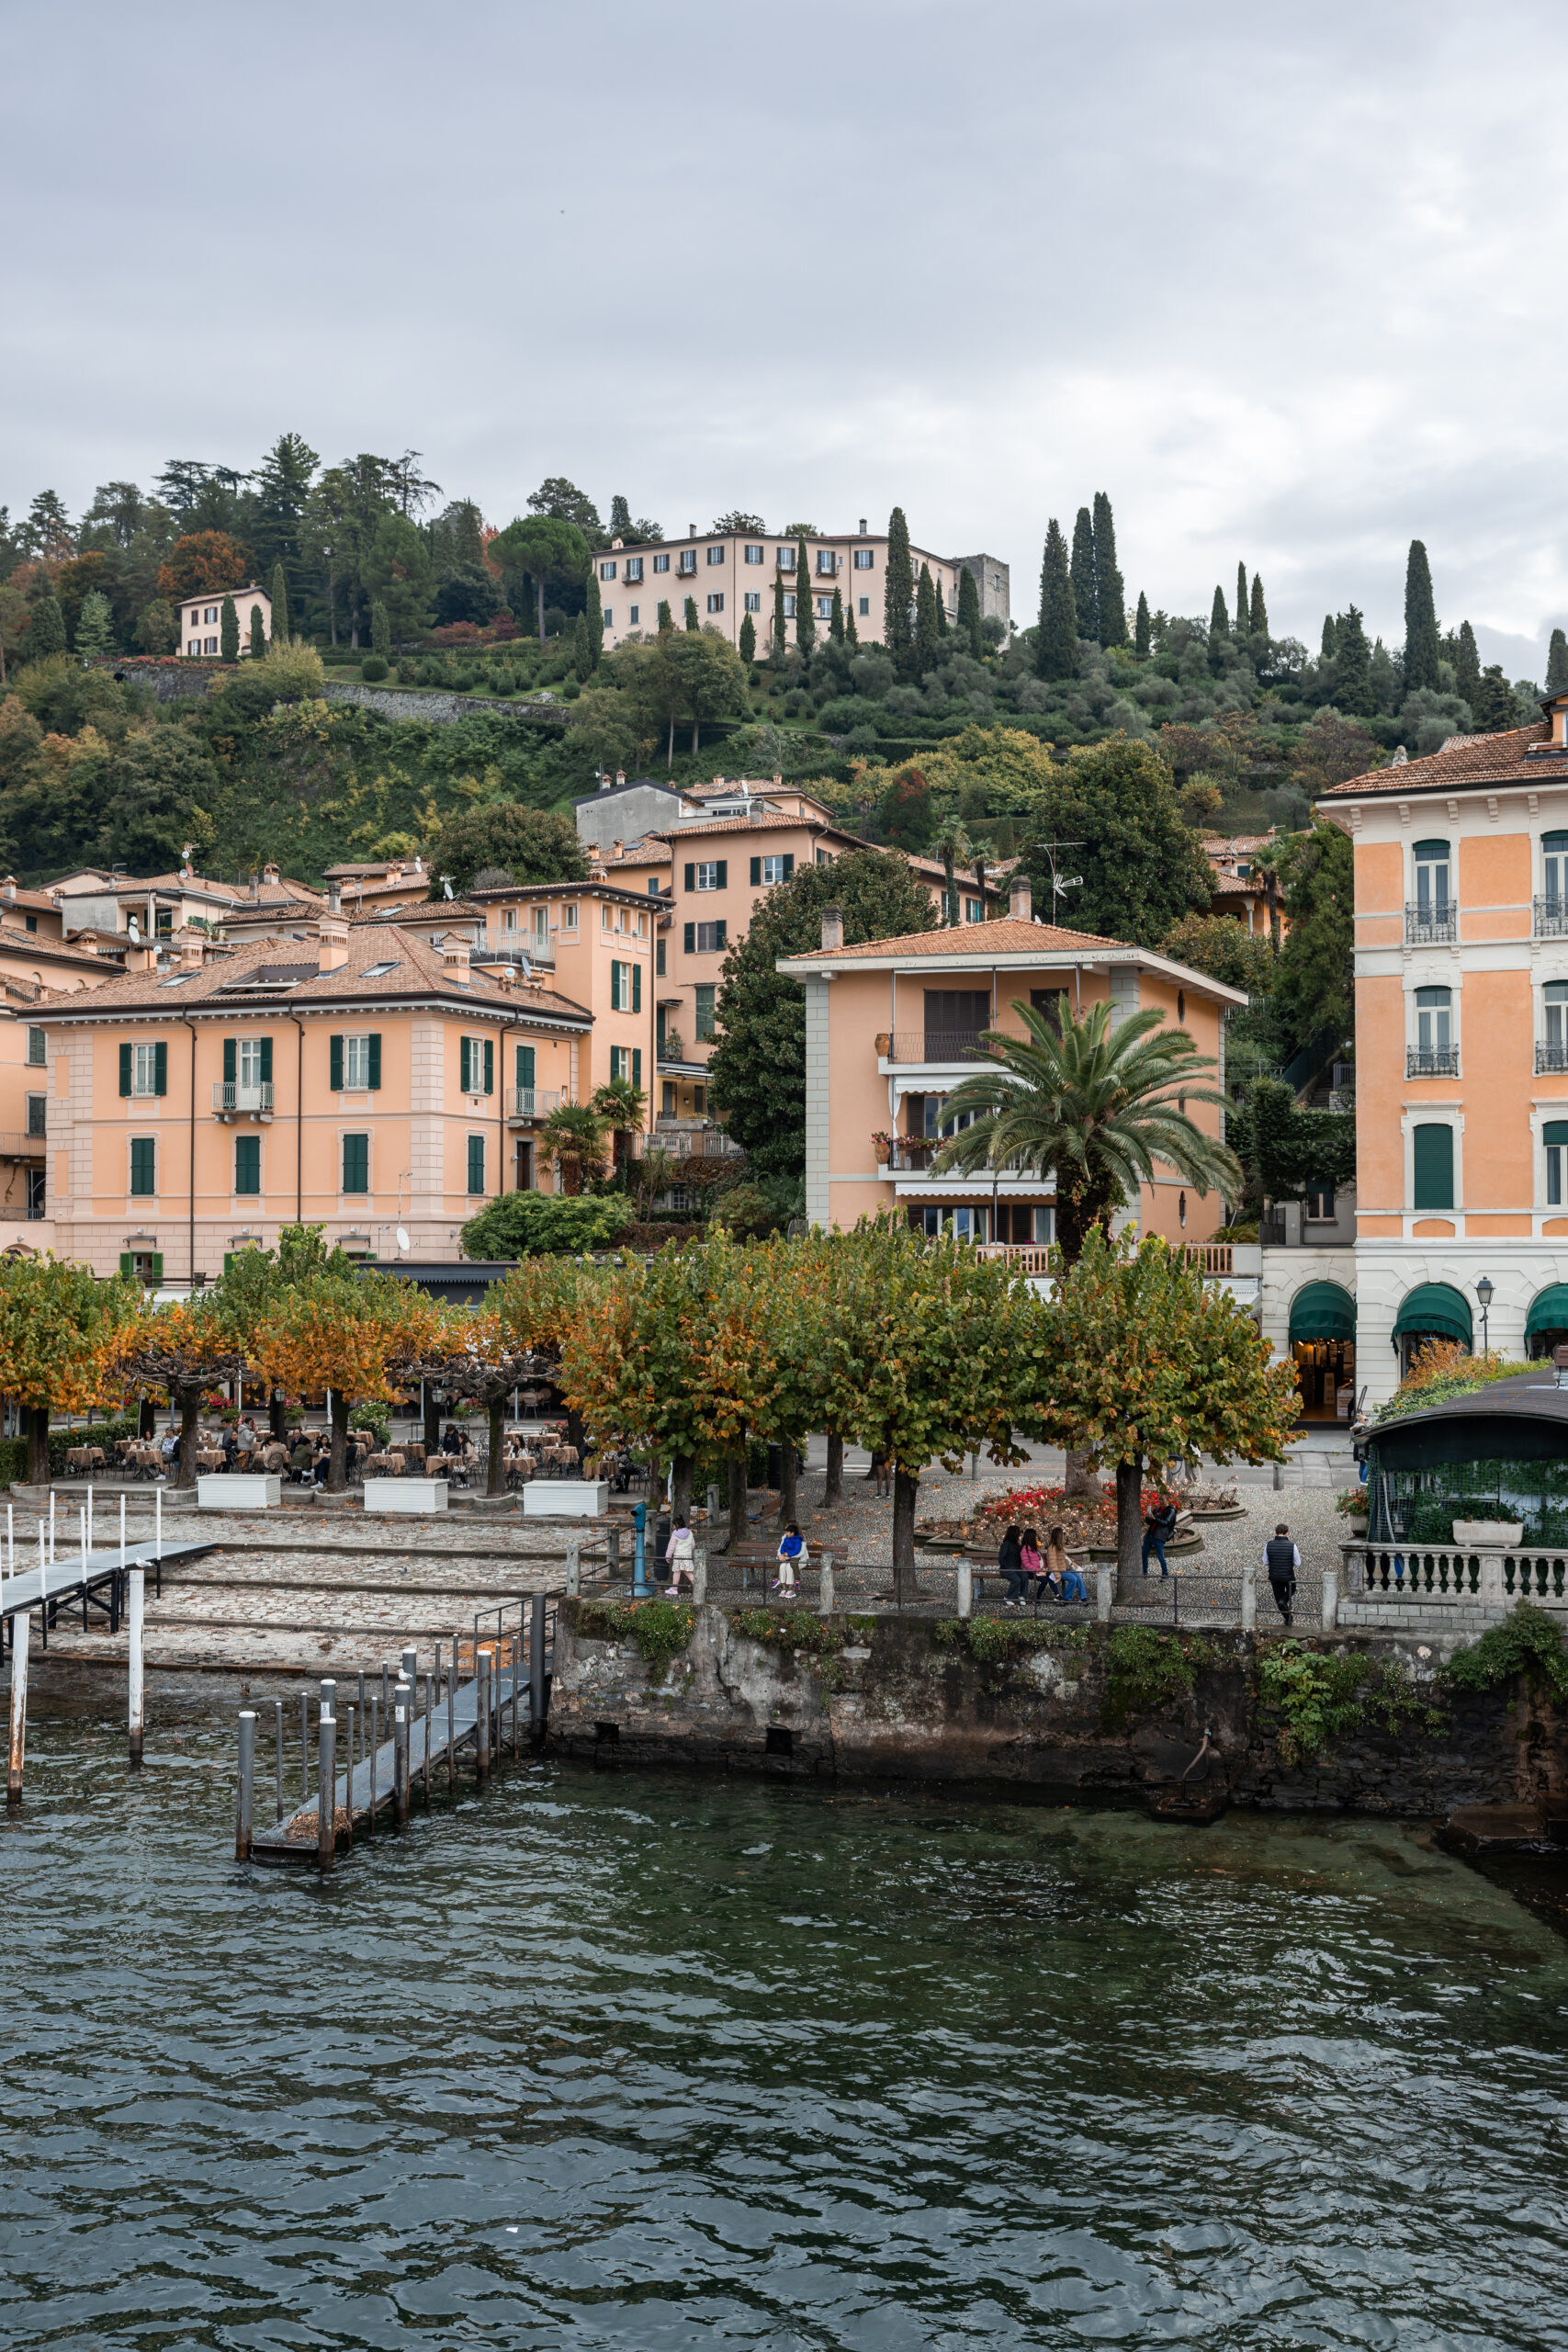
pixel 1435 1061
pixel 1425 925
pixel 231 1094
pixel 1549 918
pixel 931 1044
pixel 1549 1059
pixel 533 1102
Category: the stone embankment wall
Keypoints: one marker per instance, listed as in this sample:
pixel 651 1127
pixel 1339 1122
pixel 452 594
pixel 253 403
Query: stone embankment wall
pixel 438 709
pixel 1087 1715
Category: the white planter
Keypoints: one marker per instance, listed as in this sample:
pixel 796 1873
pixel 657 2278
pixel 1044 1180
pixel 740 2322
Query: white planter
pixel 405 1494
pixel 238 1491
pixel 1490 1534
pixel 566 1498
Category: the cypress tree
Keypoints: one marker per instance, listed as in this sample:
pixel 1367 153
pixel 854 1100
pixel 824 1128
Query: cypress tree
pixel 581 648
pixel 748 639
pixel 381 629
pixel 1141 629
pixel 1242 623
pixel 692 622
pixel 95 625
pixel 1219 619
pixel 805 618
pixel 1258 618
pixel 280 627
pixel 228 631
pixel 46 629
pixel 1494 705
pixel 1557 663
pixel 969 612
pixel 1110 595
pixel 1057 646
pixel 595 617
pixel 1352 669
pixel 258 633
pixel 927 652
pixel 664 618
pixel 780 645
pixel 1467 668
pixel 836 623
pixel 1330 646
pixel 852 634
pixel 1086 596
pixel 1420 622
pixel 898 610
pixel 941 612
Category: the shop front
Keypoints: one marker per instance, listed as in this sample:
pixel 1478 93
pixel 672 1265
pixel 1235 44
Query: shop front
pixel 1323 1348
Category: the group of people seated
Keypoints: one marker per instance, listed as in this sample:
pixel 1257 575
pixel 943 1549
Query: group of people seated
pixel 1031 1574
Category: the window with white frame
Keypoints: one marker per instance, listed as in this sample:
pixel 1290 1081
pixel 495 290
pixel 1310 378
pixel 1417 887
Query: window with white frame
pixel 753 601
pixel 356 1064
pixel 824 608
pixel 786 558
pixel 607 571
pixel 688 562
pixel 509 919
pixel 756 555
pixel 715 603
pixel 1555 1138
pixel 789 608
pixel 1554 871
pixel 865 607
pixel 37 1053
pixel 707 877
pixel 633 615
pixel 607 614
pixel 662 563
pixel 827 561
pixel 1555 1007
pixel 633 568
pixel 144 1070
pixel 1433 871
pixel 541 929
pixel 568 915
pixel 1434 1020
pixel 250 1061
pixel 865 559
pixel 772 869
pixel 715 555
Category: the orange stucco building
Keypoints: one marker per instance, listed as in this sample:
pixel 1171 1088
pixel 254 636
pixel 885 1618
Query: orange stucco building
pixel 890 1027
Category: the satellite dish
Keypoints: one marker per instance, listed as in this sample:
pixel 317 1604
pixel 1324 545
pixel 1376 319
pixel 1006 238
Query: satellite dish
pixel 135 934
pixel 445 884
pixel 403 1242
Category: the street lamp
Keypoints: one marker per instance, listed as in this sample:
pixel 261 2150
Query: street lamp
pixel 1483 1293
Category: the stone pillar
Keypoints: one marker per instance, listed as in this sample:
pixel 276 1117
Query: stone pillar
pixel 825 1597
pixel 966 1589
pixel 1249 1599
pixel 1105 1590
pixel 1331 1600
pixel 699 1577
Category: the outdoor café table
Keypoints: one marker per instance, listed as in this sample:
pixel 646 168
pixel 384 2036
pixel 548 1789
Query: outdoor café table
pixel 83 1457
pixel 385 1465
pixel 411 1452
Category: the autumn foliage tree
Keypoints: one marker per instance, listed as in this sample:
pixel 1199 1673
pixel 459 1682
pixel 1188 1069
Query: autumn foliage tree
pixel 357 1335
pixel 204 563
pixel 185 1347
pixel 59 1331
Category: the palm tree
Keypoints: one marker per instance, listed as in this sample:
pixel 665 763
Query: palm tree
pixel 954 848
pixel 1098 1105
pixel 573 1141
pixel 1269 866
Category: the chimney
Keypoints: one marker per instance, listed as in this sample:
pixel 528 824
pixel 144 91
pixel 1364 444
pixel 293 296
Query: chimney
pixel 506 976
pixel 334 898
pixel 692 528
pixel 332 941
pixel 269 874
pixel 395 871
pixel 620 777
pixel 778 779
pixel 833 928
pixel 191 955
pixel 1020 900
pixel 10 889
pixel 256 884
pixel 862 529
pixel 455 957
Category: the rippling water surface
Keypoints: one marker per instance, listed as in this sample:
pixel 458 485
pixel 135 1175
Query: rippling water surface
pixel 637 2062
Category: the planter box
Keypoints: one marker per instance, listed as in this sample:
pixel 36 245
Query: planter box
pixel 566 1498
pixel 405 1494
pixel 1490 1534
pixel 238 1491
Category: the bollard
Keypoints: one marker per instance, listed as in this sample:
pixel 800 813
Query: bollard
pixel 481 1716
pixel 326 1792
pixel 304 1748
pixel 1105 1590
pixel 277 1750
pixel 429 1707
pixel 699 1577
pixel 350 1759
pixel 640 1585
pixel 452 1727
pixel 401 1756
pixel 826 1595
pixel 536 1669
pixel 386 1698
pixel 245 1812
pixel 411 1667
pixel 136 1705
pixel 964 1579
pixel 517 1688
pixel 1248 1600
pixel 1331 1600
pixel 1279 1476
pixel 374 1727
pixel 21 1640
pixel 575 1560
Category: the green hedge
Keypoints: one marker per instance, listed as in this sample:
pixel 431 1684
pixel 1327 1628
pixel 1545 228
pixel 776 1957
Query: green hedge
pixel 16 1453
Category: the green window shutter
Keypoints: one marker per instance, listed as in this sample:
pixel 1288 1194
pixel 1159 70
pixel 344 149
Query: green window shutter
pixel 143 1165
pixel 335 1057
pixel 690 942
pixel 1555 1131
pixel 615 1064
pixel 465 1058
pixel 637 988
pixel 228 1257
pixel 158 1269
pixel 247 1163
pixel 721 934
pixel 724 874
pixel 230 1061
pixel 789 864
pixel 490 1065
pixel 375 1061
pixel 637 1065
pixel 160 1067
pixel 1434 1168
pixel 126 1264
pixel 356 1163
pixel 125 1077
pixel 267 1061
pixel 475 1163
pixel 525 1065
pixel 658 959
pixel 615 985
pixel 690 878
pixel 756 873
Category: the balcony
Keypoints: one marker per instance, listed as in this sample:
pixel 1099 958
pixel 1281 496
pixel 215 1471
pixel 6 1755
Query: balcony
pixel 905 1156
pixel 1435 926
pixel 931 1044
pixel 1551 1061
pixel 1551 921
pixel 21 1146
pixel 689 1143
pixel 533 1102
pixel 235 1098
pixel 1431 1061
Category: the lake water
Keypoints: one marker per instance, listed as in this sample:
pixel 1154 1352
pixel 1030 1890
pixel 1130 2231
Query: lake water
pixel 642 2062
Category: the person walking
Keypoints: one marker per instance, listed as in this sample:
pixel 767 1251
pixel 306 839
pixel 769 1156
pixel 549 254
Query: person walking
pixel 1009 1563
pixel 1282 1559
pixel 681 1559
pixel 1159 1526
pixel 791 1556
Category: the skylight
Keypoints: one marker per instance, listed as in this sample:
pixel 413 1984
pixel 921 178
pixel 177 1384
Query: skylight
pixel 379 971
pixel 178 982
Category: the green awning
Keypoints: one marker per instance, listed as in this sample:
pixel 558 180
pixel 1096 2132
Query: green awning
pixel 1435 1310
pixel 1549 1310
pixel 1322 1311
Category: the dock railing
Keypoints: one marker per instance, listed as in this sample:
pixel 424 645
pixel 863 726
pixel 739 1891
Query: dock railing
pixel 1428 1575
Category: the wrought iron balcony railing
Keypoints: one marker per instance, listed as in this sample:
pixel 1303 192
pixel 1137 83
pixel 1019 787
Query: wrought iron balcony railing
pixel 231 1095
pixel 1551 1060
pixel 1432 1062
pixel 1551 918
pixel 1432 925
pixel 931 1044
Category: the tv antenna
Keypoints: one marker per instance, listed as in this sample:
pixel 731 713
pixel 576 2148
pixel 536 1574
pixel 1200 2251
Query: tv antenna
pixel 1060 883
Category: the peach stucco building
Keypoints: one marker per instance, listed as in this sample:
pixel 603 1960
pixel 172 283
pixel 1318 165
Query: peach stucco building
pixel 201 620
pixel 890 1026
pixel 1461 1051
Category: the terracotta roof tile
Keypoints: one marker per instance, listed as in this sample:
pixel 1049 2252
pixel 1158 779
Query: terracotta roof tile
pixel 1006 936
pixel 1466 763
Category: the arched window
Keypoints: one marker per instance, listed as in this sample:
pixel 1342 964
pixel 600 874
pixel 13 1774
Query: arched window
pixel 1555 997
pixel 1432 876
pixel 1554 871
pixel 1554 1136
pixel 1434 1033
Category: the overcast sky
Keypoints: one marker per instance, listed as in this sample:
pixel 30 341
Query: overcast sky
pixel 1284 284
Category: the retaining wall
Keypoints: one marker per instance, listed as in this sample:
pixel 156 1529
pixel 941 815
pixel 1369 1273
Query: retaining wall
pixel 442 709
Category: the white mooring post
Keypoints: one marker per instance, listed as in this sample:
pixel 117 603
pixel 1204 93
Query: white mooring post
pixel 89 1513
pixel 21 1642
pixel 122 1535
pixel 158 1525
pixel 245 1808
pixel 1249 1599
pixel 135 1611
pixel 1331 1600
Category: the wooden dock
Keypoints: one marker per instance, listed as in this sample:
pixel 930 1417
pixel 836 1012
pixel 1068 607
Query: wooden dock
pixel 94 1581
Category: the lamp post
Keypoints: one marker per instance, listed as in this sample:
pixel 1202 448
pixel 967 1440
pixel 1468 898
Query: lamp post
pixel 1483 1293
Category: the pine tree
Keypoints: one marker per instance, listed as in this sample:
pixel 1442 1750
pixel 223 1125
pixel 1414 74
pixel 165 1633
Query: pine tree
pixel 748 639
pixel 969 612
pixel 1330 646
pixel 1467 668
pixel 805 618
pixel 258 633
pixel 595 620
pixel 46 629
pixel 927 651
pixel 1420 622
pixel 1110 596
pixel 1557 663
pixel 381 629
pixel 836 623
pixel 780 646
pixel 1057 646
pixel 852 634
pixel 95 625
pixel 228 631
pixel 1141 629
pixel 1085 598
pixel 1494 705
pixel 280 628
pixel 941 612
pixel 692 622
pixel 1258 618
pixel 1241 604
pixel 1219 619
pixel 1352 669
pixel 898 607
pixel 620 518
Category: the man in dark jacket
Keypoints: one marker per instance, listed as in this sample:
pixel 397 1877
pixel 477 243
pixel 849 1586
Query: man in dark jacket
pixel 1159 1528
pixel 1282 1559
